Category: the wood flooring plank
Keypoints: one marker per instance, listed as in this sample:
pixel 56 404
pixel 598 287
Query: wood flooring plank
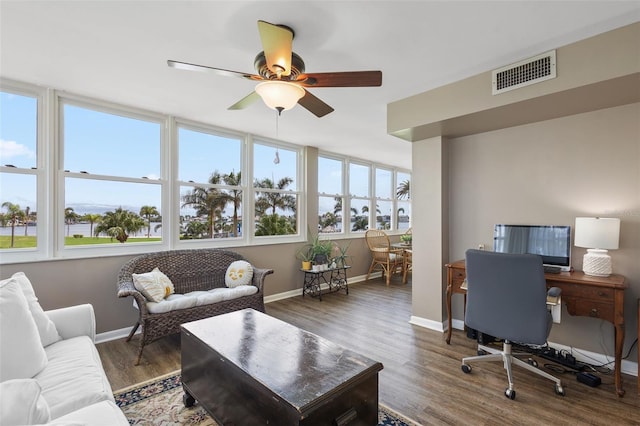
pixel 422 377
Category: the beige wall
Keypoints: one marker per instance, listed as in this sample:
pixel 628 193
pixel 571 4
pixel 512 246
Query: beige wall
pixel 549 173
pixel 429 200
pixel 62 283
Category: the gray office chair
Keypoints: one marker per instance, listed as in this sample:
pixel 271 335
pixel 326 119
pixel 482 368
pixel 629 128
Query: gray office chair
pixel 506 298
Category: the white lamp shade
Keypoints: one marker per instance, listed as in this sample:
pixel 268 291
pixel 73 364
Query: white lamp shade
pixel 597 232
pixel 279 95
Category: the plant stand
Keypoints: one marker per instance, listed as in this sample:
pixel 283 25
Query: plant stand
pixel 316 283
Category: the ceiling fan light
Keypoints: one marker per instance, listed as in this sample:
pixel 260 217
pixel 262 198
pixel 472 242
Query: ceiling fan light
pixel 279 95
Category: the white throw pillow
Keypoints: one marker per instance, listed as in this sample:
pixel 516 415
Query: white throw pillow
pixel 46 327
pixel 21 403
pixel 238 273
pixel 22 355
pixel 154 285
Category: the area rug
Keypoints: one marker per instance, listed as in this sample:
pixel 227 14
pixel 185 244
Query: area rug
pixel 159 402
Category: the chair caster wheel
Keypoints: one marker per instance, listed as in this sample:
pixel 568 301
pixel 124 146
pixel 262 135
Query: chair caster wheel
pixel 481 352
pixel 510 393
pixel 188 400
pixel 466 368
pixel 533 362
pixel 559 390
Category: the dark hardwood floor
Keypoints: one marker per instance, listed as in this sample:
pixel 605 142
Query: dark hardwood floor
pixel 421 378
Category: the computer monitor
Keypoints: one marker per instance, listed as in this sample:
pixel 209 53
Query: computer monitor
pixel 552 242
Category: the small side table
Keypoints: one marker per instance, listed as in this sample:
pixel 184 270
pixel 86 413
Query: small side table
pixel 313 280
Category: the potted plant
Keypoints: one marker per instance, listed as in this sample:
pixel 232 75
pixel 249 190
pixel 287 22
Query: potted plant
pixel 316 251
pixel 406 239
pixel 340 255
pixel 305 255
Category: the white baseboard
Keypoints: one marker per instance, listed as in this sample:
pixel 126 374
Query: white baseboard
pixel 114 334
pixel 581 355
pixel 426 323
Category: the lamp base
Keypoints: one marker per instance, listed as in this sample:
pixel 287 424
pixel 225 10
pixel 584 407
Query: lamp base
pixel 597 262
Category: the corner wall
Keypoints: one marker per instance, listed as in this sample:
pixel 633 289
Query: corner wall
pixel 549 173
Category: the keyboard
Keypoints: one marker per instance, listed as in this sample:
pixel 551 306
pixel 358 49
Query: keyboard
pixel 550 269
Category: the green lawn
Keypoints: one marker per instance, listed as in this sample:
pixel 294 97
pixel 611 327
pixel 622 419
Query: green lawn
pixel 26 242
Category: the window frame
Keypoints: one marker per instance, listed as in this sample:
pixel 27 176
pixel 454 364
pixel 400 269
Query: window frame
pixel 299 192
pixel 44 184
pixel 116 249
pixel 178 184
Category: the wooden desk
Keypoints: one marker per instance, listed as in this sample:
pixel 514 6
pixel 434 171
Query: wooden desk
pixel 584 295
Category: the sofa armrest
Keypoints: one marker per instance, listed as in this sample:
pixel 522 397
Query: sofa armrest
pixel 259 275
pixel 74 321
pixel 126 289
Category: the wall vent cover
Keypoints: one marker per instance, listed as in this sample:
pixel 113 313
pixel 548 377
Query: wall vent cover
pixel 523 73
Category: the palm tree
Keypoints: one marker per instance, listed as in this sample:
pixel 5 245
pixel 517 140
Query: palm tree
pixel 92 218
pixel 400 211
pixel 209 202
pixel 148 212
pixel 274 224
pixel 234 197
pixel 14 214
pixel 70 216
pixel 119 224
pixel 274 200
pixel 403 191
pixel 361 223
pixel 27 212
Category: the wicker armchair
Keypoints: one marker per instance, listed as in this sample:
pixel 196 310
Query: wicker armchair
pixel 388 259
pixel 188 270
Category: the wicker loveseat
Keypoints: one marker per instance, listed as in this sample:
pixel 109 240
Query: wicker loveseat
pixel 195 270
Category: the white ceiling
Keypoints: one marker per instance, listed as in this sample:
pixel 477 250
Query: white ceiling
pixel 117 51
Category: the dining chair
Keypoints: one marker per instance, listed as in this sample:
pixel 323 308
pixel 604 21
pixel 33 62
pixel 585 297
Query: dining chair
pixel 408 264
pixel 384 257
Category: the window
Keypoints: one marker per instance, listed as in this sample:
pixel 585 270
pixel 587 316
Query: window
pixel 112 176
pixel 211 188
pixel 331 198
pixel 360 194
pixel 276 189
pixel 106 179
pixel 403 195
pixel 392 204
pixel 20 172
pixel 384 198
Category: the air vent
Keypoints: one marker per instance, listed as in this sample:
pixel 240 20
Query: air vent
pixel 523 73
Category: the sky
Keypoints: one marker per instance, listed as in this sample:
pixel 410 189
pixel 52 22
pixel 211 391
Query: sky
pixel 107 144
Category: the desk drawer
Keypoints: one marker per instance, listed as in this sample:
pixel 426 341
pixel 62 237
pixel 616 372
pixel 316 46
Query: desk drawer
pixel 586 292
pixel 589 308
pixel 457 277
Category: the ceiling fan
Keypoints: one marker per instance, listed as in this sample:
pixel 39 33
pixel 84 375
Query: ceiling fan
pixel 282 77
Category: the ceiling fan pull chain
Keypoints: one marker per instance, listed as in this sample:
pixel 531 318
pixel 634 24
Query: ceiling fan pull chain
pixel 276 159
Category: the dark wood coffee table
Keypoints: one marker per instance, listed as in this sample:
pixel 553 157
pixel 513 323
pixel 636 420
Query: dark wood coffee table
pixel 247 368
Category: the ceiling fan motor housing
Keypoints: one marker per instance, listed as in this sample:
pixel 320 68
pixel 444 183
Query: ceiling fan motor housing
pixel 297 67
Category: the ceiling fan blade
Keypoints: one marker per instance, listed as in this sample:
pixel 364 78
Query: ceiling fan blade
pixel 277 41
pixel 314 104
pixel 341 79
pixel 203 68
pixel 245 102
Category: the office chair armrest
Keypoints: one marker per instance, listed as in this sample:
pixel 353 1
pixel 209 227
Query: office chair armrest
pixel 554 292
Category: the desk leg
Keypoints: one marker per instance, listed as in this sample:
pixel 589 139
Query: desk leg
pixel 619 336
pixel 449 320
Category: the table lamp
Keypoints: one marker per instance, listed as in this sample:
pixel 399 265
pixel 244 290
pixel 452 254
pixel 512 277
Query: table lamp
pixel 597 235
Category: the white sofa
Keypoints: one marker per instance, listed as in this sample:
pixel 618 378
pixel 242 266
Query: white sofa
pixel 50 369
